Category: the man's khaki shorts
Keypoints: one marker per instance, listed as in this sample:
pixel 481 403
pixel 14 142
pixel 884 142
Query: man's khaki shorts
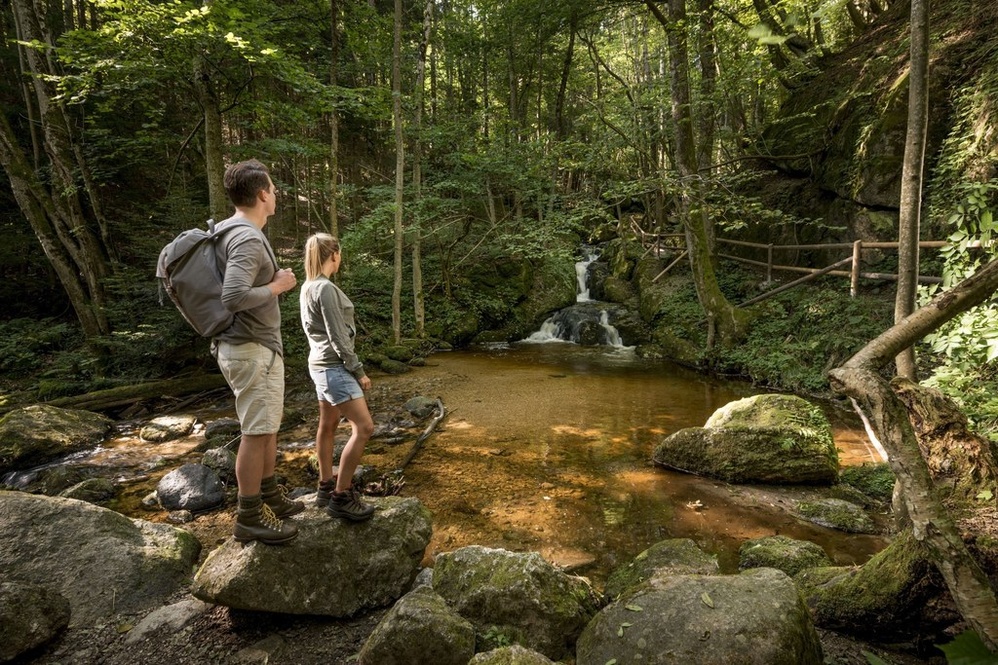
pixel 256 376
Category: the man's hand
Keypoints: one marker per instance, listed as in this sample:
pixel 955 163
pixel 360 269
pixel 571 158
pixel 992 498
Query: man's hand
pixel 284 280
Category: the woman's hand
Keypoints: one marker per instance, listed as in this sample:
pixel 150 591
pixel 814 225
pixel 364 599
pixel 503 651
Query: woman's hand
pixel 365 383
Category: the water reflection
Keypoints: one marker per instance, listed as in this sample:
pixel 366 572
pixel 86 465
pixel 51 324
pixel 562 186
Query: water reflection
pixel 551 445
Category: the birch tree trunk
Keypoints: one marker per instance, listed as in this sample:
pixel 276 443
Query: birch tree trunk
pixel 399 170
pixel 911 176
pixel 214 163
pixel 334 122
pixel 860 379
pixel 417 176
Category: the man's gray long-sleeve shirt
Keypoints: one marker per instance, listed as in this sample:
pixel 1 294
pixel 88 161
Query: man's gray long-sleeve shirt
pixel 250 266
pixel 328 321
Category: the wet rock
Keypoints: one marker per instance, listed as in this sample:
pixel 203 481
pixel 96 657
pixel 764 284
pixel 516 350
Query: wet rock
pixel 39 434
pixel 837 514
pixel 54 479
pixel 222 461
pixel 676 556
pixel 420 630
pixel 227 428
pixel 191 487
pixel 755 617
pixel 180 517
pixel 763 439
pixel 93 490
pixel 167 428
pixel 421 407
pixel 511 655
pixel 521 596
pixel 100 561
pixel 333 568
pixel 786 554
pixel 151 501
pixel 260 652
pixel 30 615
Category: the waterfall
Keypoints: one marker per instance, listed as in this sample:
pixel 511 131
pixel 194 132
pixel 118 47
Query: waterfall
pixel 582 277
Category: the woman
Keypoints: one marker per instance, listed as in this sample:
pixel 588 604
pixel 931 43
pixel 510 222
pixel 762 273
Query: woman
pixel 340 381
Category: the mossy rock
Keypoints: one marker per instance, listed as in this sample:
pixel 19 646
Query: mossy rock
pixel 676 556
pixel 837 514
pixel 401 353
pixel 38 434
pixel 873 480
pixel 389 366
pixel 783 553
pixel 897 594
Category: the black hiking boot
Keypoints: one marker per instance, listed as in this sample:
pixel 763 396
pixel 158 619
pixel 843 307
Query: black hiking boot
pixel 274 496
pixel 256 521
pixel 324 492
pixel 347 504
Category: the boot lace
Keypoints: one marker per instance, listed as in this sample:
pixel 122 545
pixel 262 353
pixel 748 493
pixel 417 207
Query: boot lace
pixel 269 519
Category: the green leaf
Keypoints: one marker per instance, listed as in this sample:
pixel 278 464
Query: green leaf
pixel 968 649
pixel 612 661
pixel 634 608
pixel 705 597
pixel 986 495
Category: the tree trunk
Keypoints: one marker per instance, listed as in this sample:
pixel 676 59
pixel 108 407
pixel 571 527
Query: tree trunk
pixel 860 379
pixel 55 208
pixel 214 163
pixel 911 177
pixel 419 309
pixel 334 123
pixel 399 170
pixel 729 321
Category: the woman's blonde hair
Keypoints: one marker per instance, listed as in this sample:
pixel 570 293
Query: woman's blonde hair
pixel 318 248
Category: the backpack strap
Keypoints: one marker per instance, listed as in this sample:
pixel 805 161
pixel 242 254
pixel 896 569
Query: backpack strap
pixel 217 233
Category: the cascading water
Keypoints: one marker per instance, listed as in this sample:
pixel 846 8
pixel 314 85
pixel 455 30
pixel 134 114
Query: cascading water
pixel 587 322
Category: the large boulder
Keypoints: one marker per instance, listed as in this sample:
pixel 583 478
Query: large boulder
pixel 39 434
pixel 100 561
pixel 518 595
pixel 761 439
pixel 676 556
pixel 514 654
pixel 333 568
pixel 30 616
pixel 192 487
pixel 837 514
pixel 420 630
pixel 748 619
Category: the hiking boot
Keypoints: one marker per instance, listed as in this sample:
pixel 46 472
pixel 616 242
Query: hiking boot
pixel 347 504
pixel 274 496
pixel 324 492
pixel 256 521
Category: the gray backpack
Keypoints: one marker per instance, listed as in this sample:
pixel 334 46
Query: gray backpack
pixel 189 272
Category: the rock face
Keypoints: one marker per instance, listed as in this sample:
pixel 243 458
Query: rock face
pixel 837 514
pixel 100 561
pixel 754 618
pixel 191 487
pixel 420 630
pixel 511 655
pixel 677 556
pixel 786 554
pixel 38 434
pixel 30 616
pixel 764 439
pixel 332 568
pixel 520 596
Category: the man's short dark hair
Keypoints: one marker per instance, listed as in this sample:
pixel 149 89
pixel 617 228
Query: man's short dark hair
pixel 244 180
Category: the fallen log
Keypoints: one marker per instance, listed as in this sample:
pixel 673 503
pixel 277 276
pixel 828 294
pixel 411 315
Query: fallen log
pixel 110 398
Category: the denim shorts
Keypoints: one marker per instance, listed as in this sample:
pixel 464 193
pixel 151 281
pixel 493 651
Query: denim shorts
pixel 335 385
pixel 256 376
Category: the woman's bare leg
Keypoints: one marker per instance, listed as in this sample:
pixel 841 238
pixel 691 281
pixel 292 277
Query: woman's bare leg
pixel 357 413
pixel 329 419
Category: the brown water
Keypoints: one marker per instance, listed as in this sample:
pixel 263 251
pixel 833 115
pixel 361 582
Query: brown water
pixel 547 447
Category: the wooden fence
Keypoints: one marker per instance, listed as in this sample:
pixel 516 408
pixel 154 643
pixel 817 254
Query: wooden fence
pixel 658 242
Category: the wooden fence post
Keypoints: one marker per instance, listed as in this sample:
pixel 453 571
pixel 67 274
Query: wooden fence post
pixel 857 251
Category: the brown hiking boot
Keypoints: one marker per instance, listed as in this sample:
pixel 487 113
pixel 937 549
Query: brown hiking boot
pixel 347 504
pixel 324 492
pixel 274 496
pixel 256 521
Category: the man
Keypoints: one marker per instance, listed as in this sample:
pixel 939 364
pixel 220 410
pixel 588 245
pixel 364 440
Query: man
pixel 251 355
